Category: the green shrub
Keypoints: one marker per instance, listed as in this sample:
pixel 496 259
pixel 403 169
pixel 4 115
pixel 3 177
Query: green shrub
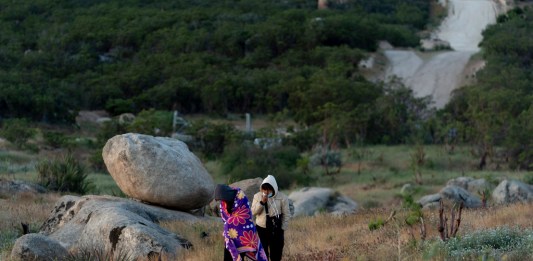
pixel 211 138
pixel 17 131
pixel 152 122
pixel 513 243
pixel 66 174
pixel 376 224
pixel 528 178
pixel 108 130
pixel 96 161
pixel 247 161
pixel 55 139
pixel 7 239
pixel 326 157
pixel 119 106
pixel 304 140
pixel 414 210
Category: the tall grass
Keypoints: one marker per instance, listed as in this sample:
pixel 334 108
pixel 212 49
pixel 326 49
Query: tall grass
pixel 326 237
pixel 29 208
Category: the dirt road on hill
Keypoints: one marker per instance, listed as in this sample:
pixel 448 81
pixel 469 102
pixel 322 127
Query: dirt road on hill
pixel 439 73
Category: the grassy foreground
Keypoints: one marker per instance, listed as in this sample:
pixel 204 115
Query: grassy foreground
pixel 372 176
pixel 348 238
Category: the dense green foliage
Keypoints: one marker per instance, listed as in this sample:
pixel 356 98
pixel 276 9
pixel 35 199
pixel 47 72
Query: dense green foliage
pixel 245 162
pixel 197 56
pixel 17 131
pixel 497 111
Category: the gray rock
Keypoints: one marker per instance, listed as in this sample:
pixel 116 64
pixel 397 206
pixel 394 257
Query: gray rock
pixel 12 187
pixel 158 170
pixel 457 195
pixel 37 247
pixel 309 201
pixel 452 194
pixel 126 118
pixel 512 191
pixel 249 186
pixel 429 200
pixel 474 186
pixel 114 225
pixel 312 200
pixel 342 205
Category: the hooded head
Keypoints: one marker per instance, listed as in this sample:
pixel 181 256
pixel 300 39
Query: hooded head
pixel 270 180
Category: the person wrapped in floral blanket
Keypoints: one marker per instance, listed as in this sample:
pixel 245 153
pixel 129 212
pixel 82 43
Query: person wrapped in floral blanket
pixel 240 235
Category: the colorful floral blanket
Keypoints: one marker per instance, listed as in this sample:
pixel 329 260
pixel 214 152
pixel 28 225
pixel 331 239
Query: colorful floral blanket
pixel 239 230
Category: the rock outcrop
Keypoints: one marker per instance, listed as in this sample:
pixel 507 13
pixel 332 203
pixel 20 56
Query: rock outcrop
pixel 112 225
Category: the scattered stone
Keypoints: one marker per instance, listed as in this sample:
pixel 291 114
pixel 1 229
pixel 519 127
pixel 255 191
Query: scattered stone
pixel 310 201
pixel 452 194
pixel 459 195
pixel 475 186
pixel 126 118
pixel 14 187
pixel 37 247
pixel 512 191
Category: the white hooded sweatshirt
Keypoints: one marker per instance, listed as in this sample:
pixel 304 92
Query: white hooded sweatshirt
pixel 278 204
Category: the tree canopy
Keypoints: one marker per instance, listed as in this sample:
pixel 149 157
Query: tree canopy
pixel 206 56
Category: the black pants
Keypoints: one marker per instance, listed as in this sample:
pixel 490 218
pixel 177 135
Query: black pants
pixel 275 240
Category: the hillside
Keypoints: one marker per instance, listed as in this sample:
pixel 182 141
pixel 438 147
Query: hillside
pixel 195 56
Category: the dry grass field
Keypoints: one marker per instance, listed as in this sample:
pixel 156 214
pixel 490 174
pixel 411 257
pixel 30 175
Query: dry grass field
pixel 373 180
pixel 325 237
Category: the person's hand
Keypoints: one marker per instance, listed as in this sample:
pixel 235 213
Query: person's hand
pixel 264 198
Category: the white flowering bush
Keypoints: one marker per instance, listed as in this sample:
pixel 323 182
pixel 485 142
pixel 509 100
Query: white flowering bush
pixel 502 243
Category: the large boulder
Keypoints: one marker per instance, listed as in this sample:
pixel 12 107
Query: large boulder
pixel 249 187
pixel 470 184
pixel 459 195
pixel 158 170
pixel 312 200
pixel 37 247
pixel 453 195
pixel 512 191
pixel 114 225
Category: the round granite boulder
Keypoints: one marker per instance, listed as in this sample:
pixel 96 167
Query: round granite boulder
pixel 158 170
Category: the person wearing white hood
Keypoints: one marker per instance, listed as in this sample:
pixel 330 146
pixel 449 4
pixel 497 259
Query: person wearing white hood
pixel 271 210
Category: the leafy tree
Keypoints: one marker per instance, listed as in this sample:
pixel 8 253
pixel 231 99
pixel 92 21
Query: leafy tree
pixel 248 161
pixel 398 115
pixel 17 131
pixel 211 138
pixel 152 122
